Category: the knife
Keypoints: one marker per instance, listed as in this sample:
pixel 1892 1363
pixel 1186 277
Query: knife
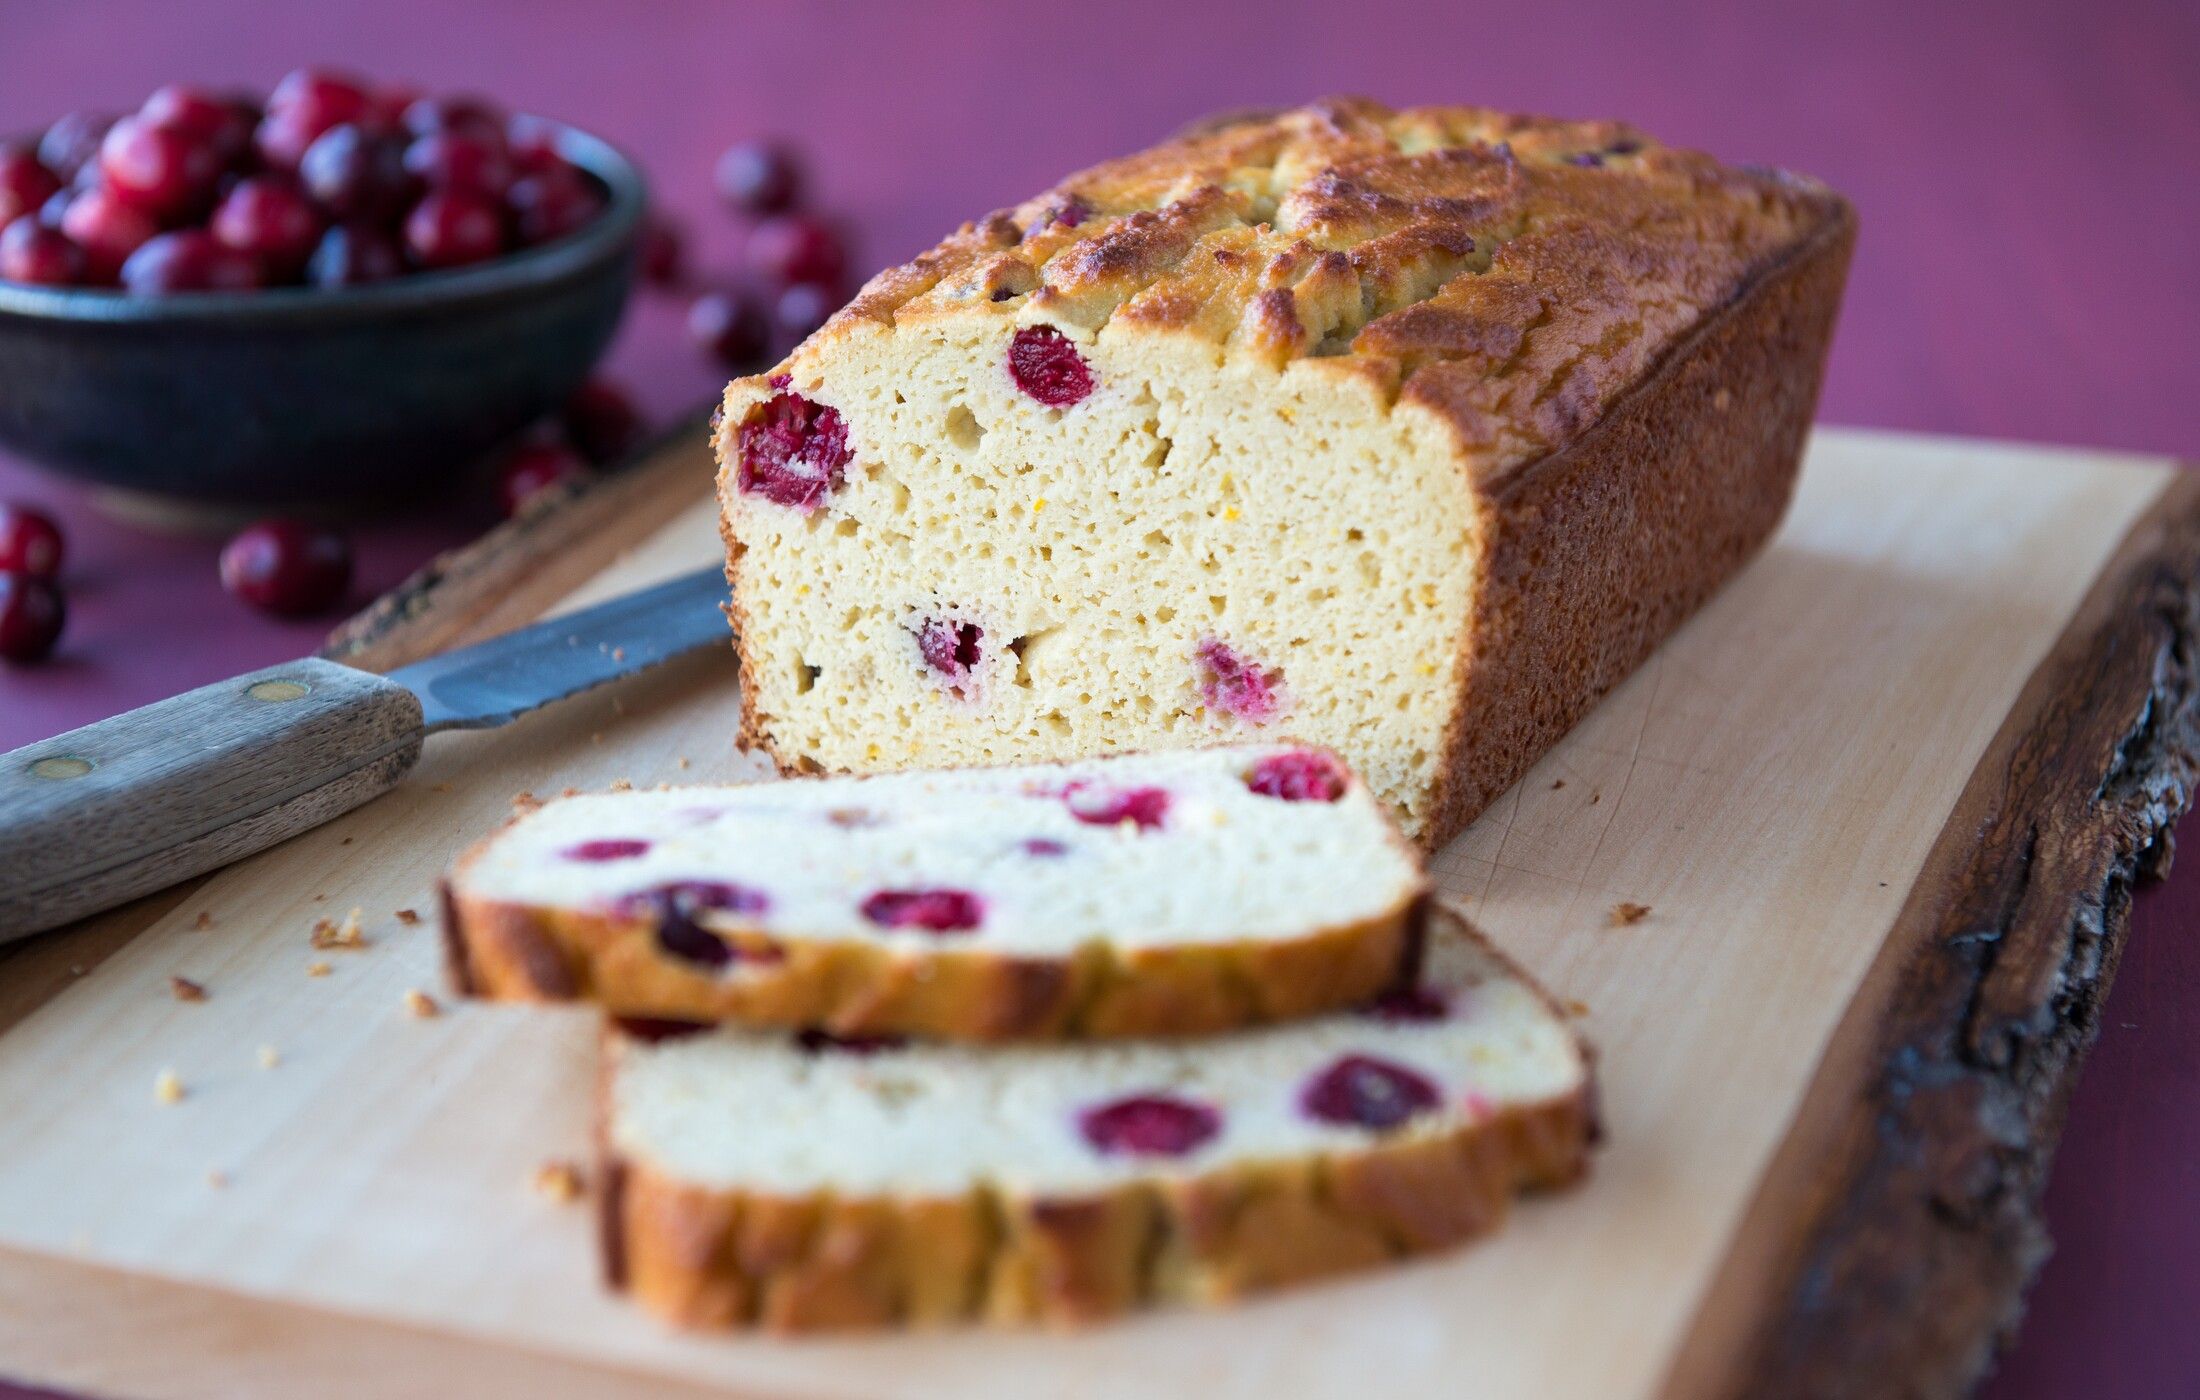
pixel 103 814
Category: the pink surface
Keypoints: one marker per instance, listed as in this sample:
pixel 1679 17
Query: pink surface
pixel 2026 175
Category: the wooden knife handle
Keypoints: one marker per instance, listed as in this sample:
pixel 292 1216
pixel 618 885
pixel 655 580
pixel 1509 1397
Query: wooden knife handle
pixel 117 809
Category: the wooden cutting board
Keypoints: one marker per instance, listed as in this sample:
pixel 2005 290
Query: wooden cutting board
pixel 1884 799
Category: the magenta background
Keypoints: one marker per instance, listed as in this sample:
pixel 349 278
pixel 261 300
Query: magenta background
pixel 2028 176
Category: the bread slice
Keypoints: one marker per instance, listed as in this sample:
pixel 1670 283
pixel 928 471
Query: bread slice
pixel 1409 433
pixel 1146 894
pixel 798 1183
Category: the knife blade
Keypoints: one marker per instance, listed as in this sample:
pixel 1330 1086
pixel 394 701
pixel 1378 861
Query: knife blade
pixel 105 813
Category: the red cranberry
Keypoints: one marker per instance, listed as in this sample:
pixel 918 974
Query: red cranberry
pixel 759 177
pixel 1300 775
pixel 535 144
pixel 31 614
pixel 32 252
pixel 607 848
pixel 452 228
pixel 1149 1125
pixel 731 327
pixel 287 567
pixel 218 122
pixel 475 116
pixel 664 251
pixel 30 541
pixel 72 143
pixel 1101 806
pixel 351 255
pixel 796 248
pixel 674 907
pixel 354 173
pixel 1409 1004
pixel 164 171
pixel 1046 366
pixel 803 307
pixel 1361 1091
pixel 24 183
pixel 460 160
pixel 532 469
pixel 934 911
pixel 319 98
pixel 552 204
pixel 386 107
pixel 270 218
pixel 601 421
pixel 188 260
pixel 793 451
pixel 107 231
pixel 1235 686
pixel 819 1042
pixel 950 648
pixel 650 1030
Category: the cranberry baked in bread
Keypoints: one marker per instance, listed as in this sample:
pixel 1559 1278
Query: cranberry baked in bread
pixel 1141 894
pixel 1408 433
pixel 802 1182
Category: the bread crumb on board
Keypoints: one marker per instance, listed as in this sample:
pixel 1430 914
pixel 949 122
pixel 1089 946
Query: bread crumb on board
pixel 168 1087
pixel 1626 913
pixel 217 1179
pixel 420 1004
pixel 318 969
pixel 327 933
pixel 184 989
pixel 557 1180
pixel 270 1057
pixel 204 921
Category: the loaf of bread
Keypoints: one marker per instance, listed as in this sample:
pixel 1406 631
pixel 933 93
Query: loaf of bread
pixel 800 1183
pixel 1407 433
pixel 1141 894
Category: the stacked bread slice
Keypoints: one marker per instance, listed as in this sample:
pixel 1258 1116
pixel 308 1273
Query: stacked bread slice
pixel 1022 1044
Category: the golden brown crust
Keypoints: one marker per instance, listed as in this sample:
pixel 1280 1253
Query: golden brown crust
pixel 719 1258
pixel 511 952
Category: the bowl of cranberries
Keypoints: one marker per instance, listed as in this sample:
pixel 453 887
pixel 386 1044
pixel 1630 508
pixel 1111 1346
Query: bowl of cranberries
pixel 335 296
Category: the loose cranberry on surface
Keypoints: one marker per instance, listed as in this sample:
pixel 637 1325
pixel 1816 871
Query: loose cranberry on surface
pixel 664 251
pixel 72 143
pixel 552 204
pixel 162 169
pixel 355 173
pixel 188 260
pixel 1097 805
pixel 287 567
pixel 1235 686
pixel 107 231
pixel 220 123
pixel 32 252
pixel 607 848
pixel 460 160
pixel 452 228
pixel 602 421
pixel 731 327
pixel 1149 1125
pixel 803 307
pixel 934 911
pixel 270 218
pixel 351 255
pixel 797 248
pixel 31 615
pixel 1299 775
pixel 1046 366
pixel 30 541
pixel 1361 1091
pixel 793 451
pixel 759 177
pixel 532 469
pixel 24 183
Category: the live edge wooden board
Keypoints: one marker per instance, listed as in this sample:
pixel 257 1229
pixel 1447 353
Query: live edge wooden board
pixel 1885 798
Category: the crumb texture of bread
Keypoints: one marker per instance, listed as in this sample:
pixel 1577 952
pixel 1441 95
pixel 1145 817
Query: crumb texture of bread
pixel 1229 439
pixel 803 1184
pixel 1166 893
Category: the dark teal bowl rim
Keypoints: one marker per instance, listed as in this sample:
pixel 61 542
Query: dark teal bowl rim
pixel 610 235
